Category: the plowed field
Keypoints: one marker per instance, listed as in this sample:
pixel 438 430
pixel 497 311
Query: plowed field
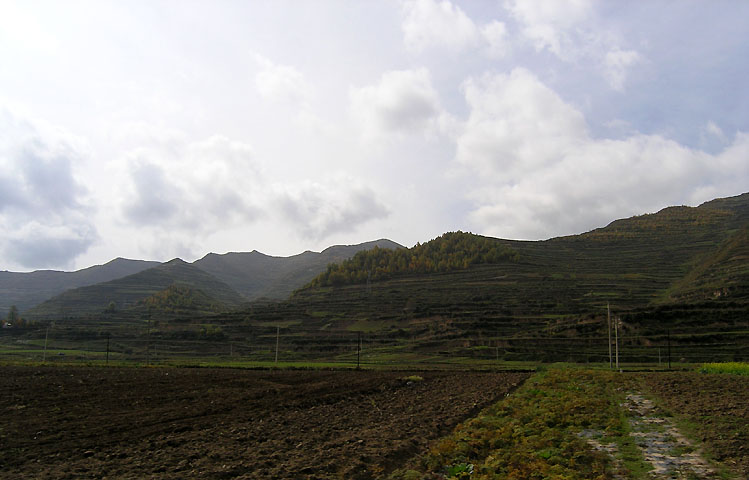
pixel 716 407
pixel 199 423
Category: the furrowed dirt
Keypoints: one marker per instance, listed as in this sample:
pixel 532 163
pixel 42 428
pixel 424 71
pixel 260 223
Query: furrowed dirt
pixel 163 423
pixel 716 407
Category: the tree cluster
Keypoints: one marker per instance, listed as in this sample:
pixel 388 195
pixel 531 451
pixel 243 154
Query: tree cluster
pixel 180 298
pixel 451 251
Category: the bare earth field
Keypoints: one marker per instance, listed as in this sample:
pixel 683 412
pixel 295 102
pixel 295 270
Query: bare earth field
pixel 164 423
pixel 716 407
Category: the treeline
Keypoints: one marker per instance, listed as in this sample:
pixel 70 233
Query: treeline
pixel 451 251
pixel 180 298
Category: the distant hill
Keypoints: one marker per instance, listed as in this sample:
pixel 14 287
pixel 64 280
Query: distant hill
pixel 683 269
pixel 26 290
pixel 127 292
pixel 256 275
pixel 677 280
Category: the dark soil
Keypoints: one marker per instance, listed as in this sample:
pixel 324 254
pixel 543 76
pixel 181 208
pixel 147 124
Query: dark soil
pixel 169 423
pixel 716 407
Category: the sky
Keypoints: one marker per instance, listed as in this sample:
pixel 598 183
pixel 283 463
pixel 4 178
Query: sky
pixel 157 129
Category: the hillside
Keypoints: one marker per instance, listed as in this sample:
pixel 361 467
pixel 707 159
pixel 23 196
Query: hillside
pixel 256 275
pixel 676 281
pixel 451 251
pixel 128 291
pixel 631 262
pixel 723 272
pixel 660 272
pixel 26 290
pixel 179 300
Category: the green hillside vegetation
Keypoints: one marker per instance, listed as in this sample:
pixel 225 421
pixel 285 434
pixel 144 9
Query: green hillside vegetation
pixel 545 299
pixel 180 299
pixel 451 251
pixel 676 281
pixel 128 291
pixel 722 272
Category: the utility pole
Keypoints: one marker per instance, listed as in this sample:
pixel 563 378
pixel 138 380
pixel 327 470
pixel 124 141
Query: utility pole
pixel 108 335
pixel 278 333
pixel 608 309
pixel 668 339
pixel 44 355
pixel 616 333
pixel 358 352
pixel 148 342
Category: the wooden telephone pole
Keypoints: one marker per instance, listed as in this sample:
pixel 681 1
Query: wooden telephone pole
pixel 608 309
pixel 616 334
pixel 278 333
pixel 358 352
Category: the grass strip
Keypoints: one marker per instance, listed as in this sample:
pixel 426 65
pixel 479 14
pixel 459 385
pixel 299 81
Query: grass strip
pixel 734 368
pixel 541 431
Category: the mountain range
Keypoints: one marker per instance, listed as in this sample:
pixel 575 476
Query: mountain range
pixel 231 278
pixel 681 271
pixel 680 275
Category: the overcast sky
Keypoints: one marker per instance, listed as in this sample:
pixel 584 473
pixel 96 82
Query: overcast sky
pixel 160 129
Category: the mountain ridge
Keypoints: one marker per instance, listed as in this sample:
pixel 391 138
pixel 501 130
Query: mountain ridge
pixel 680 275
pixel 28 289
pixel 254 273
pixel 277 277
pixel 126 292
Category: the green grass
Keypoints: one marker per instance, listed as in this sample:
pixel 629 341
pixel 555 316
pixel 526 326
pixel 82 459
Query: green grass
pixel 537 433
pixel 734 368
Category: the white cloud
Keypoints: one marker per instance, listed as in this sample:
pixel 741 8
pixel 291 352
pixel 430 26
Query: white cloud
pixel 431 23
pixel 44 211
pixel 550 24
pixel 402 102
pixel 616 64
pixel 713 129
pixel 21 27
pixel 47 245
pixel 317 210
pixel 280 82
pixel 193 187
pixel 182 193
pixel 515 123
pixel 540 173
pixel 497 39
pixel 441 24
pixel 572 32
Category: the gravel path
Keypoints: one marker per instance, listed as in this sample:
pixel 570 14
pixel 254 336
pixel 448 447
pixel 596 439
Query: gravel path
pixel 662 445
